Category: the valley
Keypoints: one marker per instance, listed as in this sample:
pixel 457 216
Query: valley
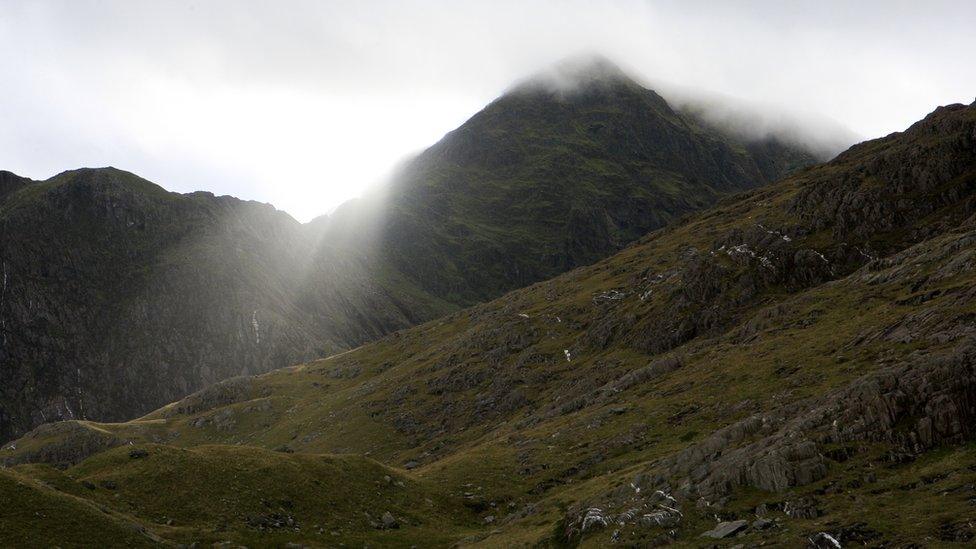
pixel 790 366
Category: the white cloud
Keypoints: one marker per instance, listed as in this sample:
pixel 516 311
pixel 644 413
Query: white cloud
pixel 304 103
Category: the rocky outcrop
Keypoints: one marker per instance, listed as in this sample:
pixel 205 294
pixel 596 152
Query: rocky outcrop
pixel 229 391
pixel 913 407
pixel 62 444
pixel 894 181
pixel 726 529
pixel 654 511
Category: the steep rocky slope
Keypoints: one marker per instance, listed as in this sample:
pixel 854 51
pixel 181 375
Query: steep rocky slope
pixel 797 363
pixel 119 296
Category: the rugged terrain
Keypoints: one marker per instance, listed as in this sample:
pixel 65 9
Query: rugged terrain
pixel 119 297
pixel 794 366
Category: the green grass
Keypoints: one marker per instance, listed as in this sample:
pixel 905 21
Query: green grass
pixel 37 514
pixel 217 493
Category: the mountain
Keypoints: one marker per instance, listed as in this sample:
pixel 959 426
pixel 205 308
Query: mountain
pixel 792 367
pixel 120 297
pixel 562 170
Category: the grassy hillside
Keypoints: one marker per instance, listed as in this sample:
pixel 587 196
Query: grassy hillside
pixel 152 494
pixel 803 354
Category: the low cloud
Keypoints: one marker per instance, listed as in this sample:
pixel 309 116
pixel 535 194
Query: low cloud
pixel 306 104
pixel 817 133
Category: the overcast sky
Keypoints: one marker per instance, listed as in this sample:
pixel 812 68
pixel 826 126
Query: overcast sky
pixel 304 103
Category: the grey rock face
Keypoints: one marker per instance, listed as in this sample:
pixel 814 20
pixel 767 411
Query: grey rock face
pixel 389 521
pixel 938 393
pixel 726 529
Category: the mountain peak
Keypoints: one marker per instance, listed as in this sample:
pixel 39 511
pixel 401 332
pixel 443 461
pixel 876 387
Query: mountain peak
pixel 590 65
pixel 577 72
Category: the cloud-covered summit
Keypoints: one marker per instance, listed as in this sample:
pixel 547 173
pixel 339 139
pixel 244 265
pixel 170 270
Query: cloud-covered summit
pixel 305 107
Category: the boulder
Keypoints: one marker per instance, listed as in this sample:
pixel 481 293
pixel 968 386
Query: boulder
pixel 389 521
pixel 726 529
pixel 823 540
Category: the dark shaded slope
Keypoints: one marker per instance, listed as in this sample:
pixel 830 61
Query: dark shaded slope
pixel 119 296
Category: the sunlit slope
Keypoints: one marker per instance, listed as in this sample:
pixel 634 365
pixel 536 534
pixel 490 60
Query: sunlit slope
pixel 807 347
pixel 551 176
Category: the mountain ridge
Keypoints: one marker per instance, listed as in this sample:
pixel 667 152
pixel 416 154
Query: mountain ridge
pixel 123 296
pixel 802 352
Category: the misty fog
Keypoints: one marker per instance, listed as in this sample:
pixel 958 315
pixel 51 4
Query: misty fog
pixel 305 107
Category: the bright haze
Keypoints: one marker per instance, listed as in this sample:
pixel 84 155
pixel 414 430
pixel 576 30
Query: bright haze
pixel 305 103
